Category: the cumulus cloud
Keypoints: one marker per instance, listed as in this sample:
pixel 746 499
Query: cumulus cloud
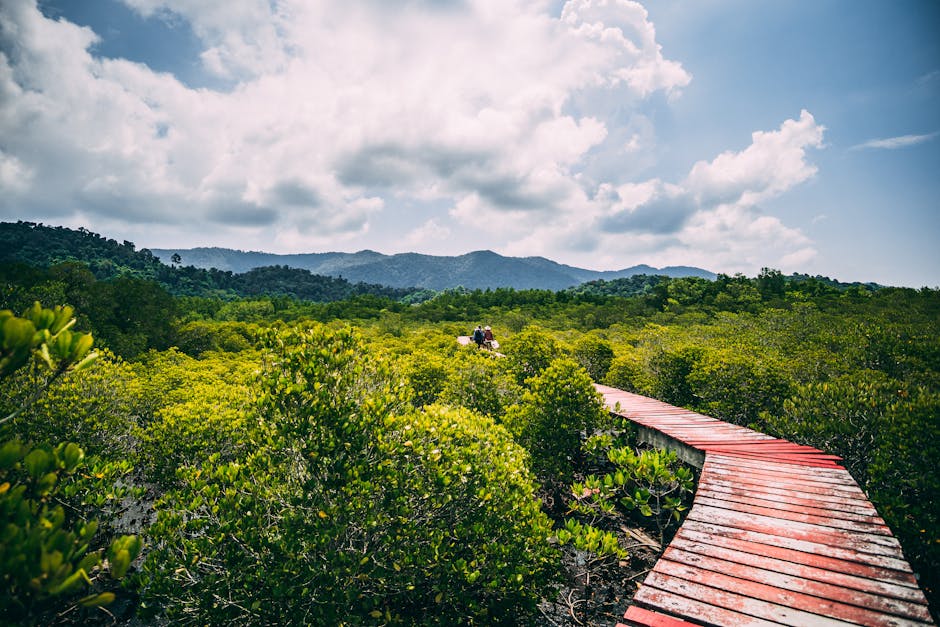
pixel 494 112
pixel 774 162
pixel 713 217
pixel 335 110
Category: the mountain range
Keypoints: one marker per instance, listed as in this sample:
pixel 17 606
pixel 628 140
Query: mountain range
pixel 476 270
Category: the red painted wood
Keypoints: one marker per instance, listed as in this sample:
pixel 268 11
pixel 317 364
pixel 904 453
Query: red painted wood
pixel 685 598
pixel 810 590
pixel 826 523
pixel 704 546
pixel 807 487
pixel 812 608
pixel 793 502
pixel 779 534
pixel 888 568
pixel 639 617
pixel 797 505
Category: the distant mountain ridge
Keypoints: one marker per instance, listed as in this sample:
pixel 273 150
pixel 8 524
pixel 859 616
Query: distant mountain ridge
pixel 476 270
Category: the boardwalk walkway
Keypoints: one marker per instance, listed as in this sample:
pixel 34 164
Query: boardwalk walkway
pixel 778 534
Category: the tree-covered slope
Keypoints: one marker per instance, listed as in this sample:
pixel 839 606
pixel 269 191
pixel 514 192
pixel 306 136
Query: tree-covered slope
pixel 482 269
pixel 40 246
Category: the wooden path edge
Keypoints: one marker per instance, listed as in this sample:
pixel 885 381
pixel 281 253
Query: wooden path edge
pixel 778 534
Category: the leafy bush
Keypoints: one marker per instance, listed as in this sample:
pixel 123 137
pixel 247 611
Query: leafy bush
pixel 530 352
pixel 479 382
pixel 45 558
pixel 651 483
pixel 427 374
pixel 560 407
pixel 198 337
pixel 202 412
pixel 94 407
pixel 736 387
pixel 627 372
pixel 671 369
pixel 42 559
pixel 356 509
pixel 594 355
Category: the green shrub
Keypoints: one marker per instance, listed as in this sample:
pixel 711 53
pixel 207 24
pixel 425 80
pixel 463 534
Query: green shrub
pixel 560 407
pixel 94 407
pixel 627 372
pixel 530 352
pixel 477 381
pixel 45 557
pixel 737 387
pixel 671 369
pixel 203 410
pixel 594 355
pixel 355 509
pixel 198 337
pixel 427 374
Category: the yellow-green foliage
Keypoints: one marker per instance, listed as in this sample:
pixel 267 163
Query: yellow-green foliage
pixel 481 382
pixel 95 406
pixel 559 408
pixel 354 508
pixel 45 556
pixel 202 410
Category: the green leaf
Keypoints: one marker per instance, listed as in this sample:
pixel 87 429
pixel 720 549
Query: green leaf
pixel 97 600
pixel 38 463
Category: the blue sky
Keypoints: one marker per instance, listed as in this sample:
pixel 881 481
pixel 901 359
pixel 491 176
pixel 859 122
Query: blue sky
pixel 726 134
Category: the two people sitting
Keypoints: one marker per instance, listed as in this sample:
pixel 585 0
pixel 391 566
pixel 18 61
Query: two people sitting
pixel 483 337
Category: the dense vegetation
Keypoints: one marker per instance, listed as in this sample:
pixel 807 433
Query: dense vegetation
pixel 300 462
pixel 41 246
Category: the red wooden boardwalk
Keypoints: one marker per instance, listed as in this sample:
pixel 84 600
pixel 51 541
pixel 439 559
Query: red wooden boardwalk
pixel 778 534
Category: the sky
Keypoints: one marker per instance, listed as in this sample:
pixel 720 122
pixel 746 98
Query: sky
pixel 731 135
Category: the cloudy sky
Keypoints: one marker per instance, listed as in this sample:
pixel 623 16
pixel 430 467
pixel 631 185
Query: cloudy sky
pixel 726 134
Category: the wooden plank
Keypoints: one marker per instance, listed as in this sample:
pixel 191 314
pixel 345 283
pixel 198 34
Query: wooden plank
pixel 813 610
pixel 885 546
pixel 691 593
pixel 796 498
pixel 700 612
pixel 636 616
pixel 791 483
pixel 872 583
pixel 779 534
pixel 846 601
pixel 719 459
pixel 808 506
pixel 891 567
pixel 825 461
pixel 777 472
pixel 828 523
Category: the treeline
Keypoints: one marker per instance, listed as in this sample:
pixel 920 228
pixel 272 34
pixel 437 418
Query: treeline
pixel 41 246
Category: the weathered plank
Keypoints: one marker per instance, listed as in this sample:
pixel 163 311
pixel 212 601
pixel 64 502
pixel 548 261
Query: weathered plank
pixel 810 590
pixel 779 534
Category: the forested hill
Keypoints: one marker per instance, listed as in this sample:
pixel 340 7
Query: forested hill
pixel 41 247
pixel 481 269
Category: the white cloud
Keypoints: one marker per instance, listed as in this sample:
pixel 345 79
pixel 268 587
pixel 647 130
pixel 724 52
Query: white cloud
pixel 774 162
pixel 332 107
pixel 437 235
pixel 712 218
pixel 893 143
pixel 340 113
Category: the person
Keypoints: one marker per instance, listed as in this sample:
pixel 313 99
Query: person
pixel 488 337
pixel 478 336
